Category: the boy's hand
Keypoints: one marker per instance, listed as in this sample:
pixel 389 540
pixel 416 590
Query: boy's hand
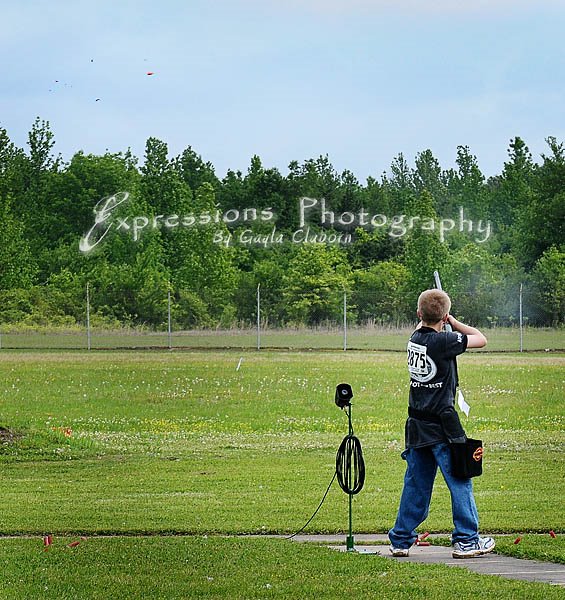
pixel 475 339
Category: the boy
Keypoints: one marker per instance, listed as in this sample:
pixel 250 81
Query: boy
pixel 432 423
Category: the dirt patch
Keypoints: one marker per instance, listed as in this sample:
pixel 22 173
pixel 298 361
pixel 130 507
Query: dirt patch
pixel 8 436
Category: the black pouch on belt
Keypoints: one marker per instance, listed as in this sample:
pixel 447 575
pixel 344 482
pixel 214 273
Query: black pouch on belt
pixel 466 453
pixel 467 458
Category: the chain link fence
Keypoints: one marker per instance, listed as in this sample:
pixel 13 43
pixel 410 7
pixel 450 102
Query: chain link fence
pixel 357 321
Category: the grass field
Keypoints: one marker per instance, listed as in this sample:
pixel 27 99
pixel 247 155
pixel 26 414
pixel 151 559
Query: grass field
pixel 501 339
pixel 199 567
pixel 147 444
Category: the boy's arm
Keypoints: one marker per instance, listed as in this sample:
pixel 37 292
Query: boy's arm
pixel 475 339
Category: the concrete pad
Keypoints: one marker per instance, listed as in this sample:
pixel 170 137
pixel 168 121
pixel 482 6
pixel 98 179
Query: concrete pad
pixel 489 564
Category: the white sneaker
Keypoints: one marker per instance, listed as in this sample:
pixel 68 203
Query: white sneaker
pixel 399 551
pixel 474 548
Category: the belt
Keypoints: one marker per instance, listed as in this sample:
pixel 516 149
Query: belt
pixel 423 415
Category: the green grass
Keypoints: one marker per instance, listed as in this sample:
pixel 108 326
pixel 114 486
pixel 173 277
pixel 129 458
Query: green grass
pixel 203 447
pixel 183 442
pixel 536 547
pixel 169 568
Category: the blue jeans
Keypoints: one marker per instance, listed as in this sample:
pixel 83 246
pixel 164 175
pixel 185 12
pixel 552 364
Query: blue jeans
pixel 421 469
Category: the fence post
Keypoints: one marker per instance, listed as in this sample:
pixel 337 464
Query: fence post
pixel 258 316
pixel 344 321
pixel 521 322
pixel 88 315
pixel 169 318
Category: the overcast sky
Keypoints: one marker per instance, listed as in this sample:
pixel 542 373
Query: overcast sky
pixel 360 80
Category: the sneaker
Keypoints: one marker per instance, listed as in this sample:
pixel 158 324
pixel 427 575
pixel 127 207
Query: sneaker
pixel 399 551
pixel 475 548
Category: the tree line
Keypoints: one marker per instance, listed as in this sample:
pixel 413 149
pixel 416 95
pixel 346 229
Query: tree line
pixel 138 231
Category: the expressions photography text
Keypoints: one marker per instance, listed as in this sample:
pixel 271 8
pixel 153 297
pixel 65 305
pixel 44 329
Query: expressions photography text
pixel 317 224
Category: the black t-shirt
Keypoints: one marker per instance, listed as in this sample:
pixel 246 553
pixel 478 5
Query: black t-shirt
pixel 433 382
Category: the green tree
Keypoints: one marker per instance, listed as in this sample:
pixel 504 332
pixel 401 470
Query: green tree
pixel 549 279
pixel 12 167
pixel 194 171
pixel 379 293
pixel 267 189
pixel 541 222
pixel 161 186
pixel 32 202
pixel 466 186
pixel 132 291
pixel 269 274
pixel 199 263
pixel 483 287
pixel 424 252
pixel 349 195
pixel 319 179
pixel 428 176
pixel 231 194
pixel 374 198
pixel 17 265
pixel 399 187
pixel 512 196
pixel 78 187
pixel 314 283
pixel 371 246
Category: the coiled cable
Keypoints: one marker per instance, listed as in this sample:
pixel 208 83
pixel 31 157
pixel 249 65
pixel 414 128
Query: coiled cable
pixel 349 470
pixel 350 466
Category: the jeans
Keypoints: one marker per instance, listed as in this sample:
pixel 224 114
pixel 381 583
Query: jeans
pixel 421 469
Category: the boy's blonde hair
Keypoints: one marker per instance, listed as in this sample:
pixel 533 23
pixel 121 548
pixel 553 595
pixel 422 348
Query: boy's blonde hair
pixel 433 305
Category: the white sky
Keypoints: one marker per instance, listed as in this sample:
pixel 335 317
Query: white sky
pixel 360 80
